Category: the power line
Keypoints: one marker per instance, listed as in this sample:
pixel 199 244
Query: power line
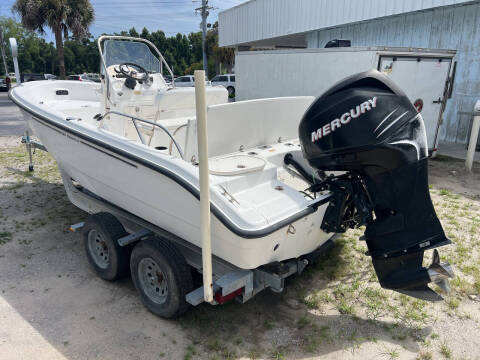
pixel 170 5
pixel 153 2
pixel 119 16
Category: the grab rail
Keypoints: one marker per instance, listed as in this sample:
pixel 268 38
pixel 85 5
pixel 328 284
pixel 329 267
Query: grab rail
pixel 135 119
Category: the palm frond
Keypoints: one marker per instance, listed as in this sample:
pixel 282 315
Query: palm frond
pixel 31 14
pixel 79 17
pixel 66 15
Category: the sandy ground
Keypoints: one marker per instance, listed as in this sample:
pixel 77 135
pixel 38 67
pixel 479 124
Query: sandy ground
pixel 53 307
pixel 450 174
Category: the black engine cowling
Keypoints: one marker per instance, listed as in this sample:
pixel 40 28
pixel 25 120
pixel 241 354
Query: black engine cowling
pixel 367 127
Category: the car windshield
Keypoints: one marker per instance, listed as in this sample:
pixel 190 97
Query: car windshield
pixel 117 52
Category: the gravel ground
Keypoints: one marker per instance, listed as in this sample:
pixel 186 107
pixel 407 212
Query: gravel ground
pixel 53 307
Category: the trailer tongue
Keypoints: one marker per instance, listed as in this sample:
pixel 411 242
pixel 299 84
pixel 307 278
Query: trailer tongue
pixel 366 126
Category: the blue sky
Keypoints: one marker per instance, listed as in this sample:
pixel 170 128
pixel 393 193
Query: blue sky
pixel 171 16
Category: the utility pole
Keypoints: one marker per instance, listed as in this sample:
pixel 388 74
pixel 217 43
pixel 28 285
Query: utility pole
pixel 204 11
pixel 2 48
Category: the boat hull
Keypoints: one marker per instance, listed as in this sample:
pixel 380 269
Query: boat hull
pixel 144 192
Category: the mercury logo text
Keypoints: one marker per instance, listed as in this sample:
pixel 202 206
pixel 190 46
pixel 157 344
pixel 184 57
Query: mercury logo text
pixel 345 119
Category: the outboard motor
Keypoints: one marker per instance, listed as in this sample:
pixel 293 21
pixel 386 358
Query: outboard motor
pixel 367 128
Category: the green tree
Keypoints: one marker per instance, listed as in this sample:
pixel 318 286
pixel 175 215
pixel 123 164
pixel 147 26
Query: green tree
pixel 221 55
pixel 34 53
pixel 61 16
pixel 133 32
pixel 182 52
pixel 81 56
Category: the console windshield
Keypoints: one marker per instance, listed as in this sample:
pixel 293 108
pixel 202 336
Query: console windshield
pixel 117 52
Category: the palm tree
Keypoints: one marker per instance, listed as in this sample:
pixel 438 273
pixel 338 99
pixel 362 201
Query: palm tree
pixel 61 16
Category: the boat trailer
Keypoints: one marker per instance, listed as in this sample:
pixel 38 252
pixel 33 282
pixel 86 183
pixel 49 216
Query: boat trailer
pixel 229 281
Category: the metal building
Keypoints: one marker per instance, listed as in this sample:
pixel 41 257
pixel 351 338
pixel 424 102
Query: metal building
pixel 440 24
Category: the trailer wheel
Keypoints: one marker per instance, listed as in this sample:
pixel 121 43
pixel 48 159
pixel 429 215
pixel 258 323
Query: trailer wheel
pixel 100 235
pixel 231 91
pixel 161 276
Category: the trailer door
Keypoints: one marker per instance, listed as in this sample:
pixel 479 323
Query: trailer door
pixel 424 81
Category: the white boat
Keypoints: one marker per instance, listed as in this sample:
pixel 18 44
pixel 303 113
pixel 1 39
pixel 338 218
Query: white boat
pixel 132 141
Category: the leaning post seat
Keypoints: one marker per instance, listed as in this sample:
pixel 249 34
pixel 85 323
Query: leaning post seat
pixel 243 125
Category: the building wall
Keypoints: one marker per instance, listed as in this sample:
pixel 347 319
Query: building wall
pixel 455 28
pixel 257 20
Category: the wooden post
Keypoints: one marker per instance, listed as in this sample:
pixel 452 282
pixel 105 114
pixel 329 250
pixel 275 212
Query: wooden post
pixel 201 105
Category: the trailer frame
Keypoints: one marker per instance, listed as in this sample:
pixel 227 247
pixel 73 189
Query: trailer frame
pixel 227 277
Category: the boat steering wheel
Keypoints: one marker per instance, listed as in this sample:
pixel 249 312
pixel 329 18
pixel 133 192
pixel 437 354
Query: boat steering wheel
pixel 132 71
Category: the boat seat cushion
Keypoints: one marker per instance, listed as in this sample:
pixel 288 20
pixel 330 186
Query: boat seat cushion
pixel 248 124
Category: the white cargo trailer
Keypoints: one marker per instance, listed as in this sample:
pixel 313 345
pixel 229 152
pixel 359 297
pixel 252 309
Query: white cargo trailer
pixel 426 75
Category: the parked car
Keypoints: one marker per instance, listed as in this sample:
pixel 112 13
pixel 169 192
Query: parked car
pixel 187 81
pixel 36 77
pixel 5 84
pixel 32 77
pixel 93 77
pixel 227 80
pixel 80 77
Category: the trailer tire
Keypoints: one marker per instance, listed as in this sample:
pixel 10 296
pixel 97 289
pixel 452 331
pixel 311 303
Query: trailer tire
pixel 231 91
pixel 109 260
pixel 161 276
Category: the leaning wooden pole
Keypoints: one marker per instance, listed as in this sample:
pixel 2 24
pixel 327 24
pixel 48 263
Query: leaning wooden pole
pixel 201 105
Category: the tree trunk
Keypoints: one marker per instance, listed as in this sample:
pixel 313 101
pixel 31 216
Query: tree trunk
pixel 60 51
